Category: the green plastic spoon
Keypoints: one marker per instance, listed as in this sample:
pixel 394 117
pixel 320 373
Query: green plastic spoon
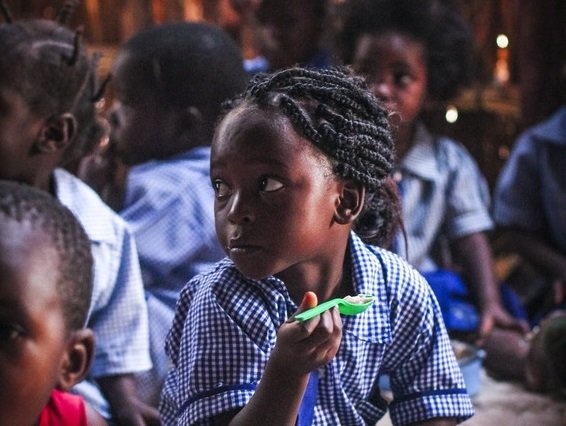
pixel 346 307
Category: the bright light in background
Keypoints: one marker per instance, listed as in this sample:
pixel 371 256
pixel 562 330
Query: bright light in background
pixel 502 41
pixel 451 114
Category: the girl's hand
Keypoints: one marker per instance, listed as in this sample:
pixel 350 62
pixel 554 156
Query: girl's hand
pixel 303 347
pixel 497 317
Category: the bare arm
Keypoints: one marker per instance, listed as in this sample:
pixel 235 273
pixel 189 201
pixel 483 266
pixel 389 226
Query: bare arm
pixel 127 408
pixel 93 418
pixel 533 247
pixel 474 253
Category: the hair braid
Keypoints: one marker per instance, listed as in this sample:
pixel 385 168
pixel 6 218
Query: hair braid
pixel 26 204
pixel 46 63
pixel 335 111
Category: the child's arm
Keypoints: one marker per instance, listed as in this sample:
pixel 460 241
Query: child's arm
pixel 533 247
pixel 476 258
pixel 93 418
pixel 127 408
pixel 300 349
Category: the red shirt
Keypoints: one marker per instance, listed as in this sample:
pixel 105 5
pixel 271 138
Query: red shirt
pixel 63 409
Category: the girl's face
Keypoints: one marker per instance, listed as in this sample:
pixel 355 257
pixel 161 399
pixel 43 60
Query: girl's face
pixel 32 327
pixel 395 67
pixel 275 196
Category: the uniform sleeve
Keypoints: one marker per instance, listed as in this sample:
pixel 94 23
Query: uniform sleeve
pixel 424 374
pixel 171 242
pixel 119 319
pixel 219 345
pixel 467 195
pixel 517 195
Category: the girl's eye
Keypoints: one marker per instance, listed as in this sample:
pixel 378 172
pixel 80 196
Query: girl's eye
pixel 401 78
pixel 220 188
pixel 9 332
pixel 269 184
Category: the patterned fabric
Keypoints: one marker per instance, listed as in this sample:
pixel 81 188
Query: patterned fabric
pixel 63 409
pixel 118 314
pixel 169 206
pixel 225 328
pixel 444 196
pixel 531 189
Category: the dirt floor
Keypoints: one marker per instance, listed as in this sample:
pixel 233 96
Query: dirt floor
pixel 509 404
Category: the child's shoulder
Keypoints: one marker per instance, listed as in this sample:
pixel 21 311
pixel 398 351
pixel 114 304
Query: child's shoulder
pixel 99 220
pixel 386 270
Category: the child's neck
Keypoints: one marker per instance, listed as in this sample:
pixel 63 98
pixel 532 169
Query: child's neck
pixel 404 139
pixel 327 282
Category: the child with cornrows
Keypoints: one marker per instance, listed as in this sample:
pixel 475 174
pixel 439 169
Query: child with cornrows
pixel 300 165
pixel 48 119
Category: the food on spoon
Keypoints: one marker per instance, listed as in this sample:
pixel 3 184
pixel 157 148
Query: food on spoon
pixel 359 299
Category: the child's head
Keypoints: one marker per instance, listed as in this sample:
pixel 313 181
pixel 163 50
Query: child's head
pixel 299 155
pixel 47 99
pixel 290 31
pixel 409 50
pixel 45 291
pixel 170 82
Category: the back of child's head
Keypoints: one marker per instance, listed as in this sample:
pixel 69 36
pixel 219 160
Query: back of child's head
pixel 188 64
pixel 336 112
pixel 437 24
pixel 38 210
pixel 45 62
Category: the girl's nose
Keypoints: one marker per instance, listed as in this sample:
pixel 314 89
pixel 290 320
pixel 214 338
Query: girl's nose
pixel 382 91
pixel 240 210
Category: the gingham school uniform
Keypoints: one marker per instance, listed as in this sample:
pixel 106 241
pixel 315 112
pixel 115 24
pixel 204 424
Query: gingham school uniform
pixel 118 313
pixel 169 206
pixel 225 328
pixel 530 192
pixel 443 195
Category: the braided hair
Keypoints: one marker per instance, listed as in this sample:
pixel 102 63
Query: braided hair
pixel 39 210
pixel 45 62
pixel 334 110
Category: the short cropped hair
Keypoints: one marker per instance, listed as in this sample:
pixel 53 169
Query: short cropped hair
pixel 25 204
pixel 188 64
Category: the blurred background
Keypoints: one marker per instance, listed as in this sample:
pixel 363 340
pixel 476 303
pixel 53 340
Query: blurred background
pixel 520 59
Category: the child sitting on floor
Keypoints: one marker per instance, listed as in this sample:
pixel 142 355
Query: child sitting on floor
pixel 45 291
pixel 300 165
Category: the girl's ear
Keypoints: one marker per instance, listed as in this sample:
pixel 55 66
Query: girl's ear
pixel 350 202
pixel 189 123
pixel 77 358
pixel 56 133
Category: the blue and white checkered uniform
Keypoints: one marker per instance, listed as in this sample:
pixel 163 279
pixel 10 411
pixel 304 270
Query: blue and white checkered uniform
pixel 118 313
pixel 530 192
pixel 169 206
pixel 444 195
pixel 225 329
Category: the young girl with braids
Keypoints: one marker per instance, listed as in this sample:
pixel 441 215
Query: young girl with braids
pixel 48 92
pixel 413 52
pixel 300 167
